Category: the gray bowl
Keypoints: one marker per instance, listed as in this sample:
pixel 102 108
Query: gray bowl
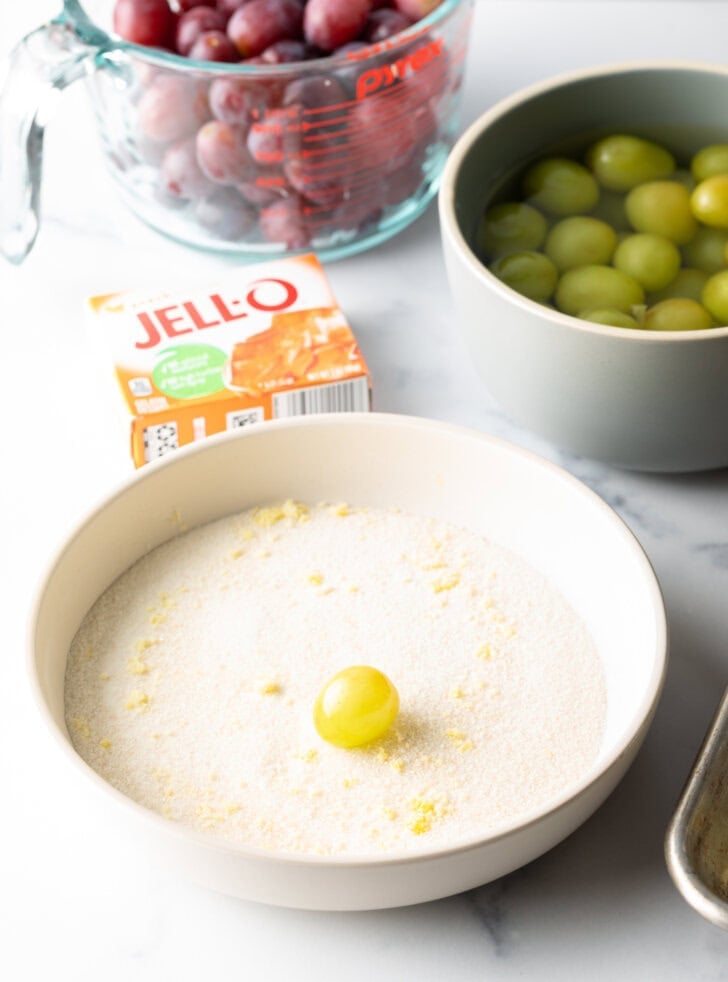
pixel 652 401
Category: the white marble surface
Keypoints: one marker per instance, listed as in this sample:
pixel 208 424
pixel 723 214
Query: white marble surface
pixel 76 903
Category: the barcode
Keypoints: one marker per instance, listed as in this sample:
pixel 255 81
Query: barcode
pixel 160 439
pixel 351 396
pixel 243 417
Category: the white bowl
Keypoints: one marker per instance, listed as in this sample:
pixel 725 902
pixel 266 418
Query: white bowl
pixel 643 400
pixel 509 495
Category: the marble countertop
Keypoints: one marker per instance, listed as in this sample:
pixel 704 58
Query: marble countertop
pixel 78 904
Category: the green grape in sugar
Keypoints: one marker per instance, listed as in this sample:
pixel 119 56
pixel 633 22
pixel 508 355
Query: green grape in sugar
pixel 715 296
pixel 662 208
pixel 611 317
pixel 580 240
pixel 530 273
pixel 677 314
pixel 709 161
pixel 512 226
pixel 560 186
pixel 709 201
pixel 356 706
pixel 652 260
pixel 595 287
pixel 688 283
pixel 621 161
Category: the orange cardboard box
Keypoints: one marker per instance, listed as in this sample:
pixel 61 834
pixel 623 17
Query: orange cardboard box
pixel 265 341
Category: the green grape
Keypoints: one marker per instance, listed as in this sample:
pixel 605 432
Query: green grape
pixel 651 259
pixel 530 273
pixel 610 209
pixel 356 706
pixel 610 316
pixel 707 249
pixel 561 186
pixel 677 314
pixel 683 176
pixel 715 296
pixel 594 287
pixel 709 161
pixel 510 227
pixel 688 283
pixel 663 208
pixel 621 162
pixel 580 240
pixel 709 201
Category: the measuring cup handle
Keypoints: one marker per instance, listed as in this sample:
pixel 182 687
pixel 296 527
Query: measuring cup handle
pixel 41 65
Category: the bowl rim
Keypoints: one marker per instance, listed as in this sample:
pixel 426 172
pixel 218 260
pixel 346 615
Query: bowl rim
pixel 473 132
pixel 111 44
pixel 632 733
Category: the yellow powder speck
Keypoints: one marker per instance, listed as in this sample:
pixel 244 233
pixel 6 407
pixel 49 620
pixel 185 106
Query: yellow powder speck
pixel 315 579
pixel 104 677
pixel 170 793
pixel 485 651
pixel 460 740
pixel 341 510
pixel 349 782
pixel 137 666
pixel 144 644
pixel 389 813
pixel 446 582
pixel 247 534
pixel 177 520
pixel 264 554
pixel 455 692
pixel 507 630
pixel 382 754
pixel 269 688
pixel 81 726
pixel 137 700
pixel 309 756
pixel 293 510
pixel 236 553
pixel 434 564
pixel 353 588
pixel 156 736
pixel 106 744
pixel 398 765
pixel 420 825
pixel 89 653
pixel 232 808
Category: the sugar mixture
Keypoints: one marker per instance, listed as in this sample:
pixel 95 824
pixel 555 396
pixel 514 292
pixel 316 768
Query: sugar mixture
pixel 191 683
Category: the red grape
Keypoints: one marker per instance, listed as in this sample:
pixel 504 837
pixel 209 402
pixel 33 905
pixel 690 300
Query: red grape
pixel 213 46
pixel 265 137
pixel 172 107
pixel 284 222
pixel 193 23
pixel 237 101
pixel 258 24
pixel 314 92
pixel 287 51
pixel 225 214
pixel 148 22
pixel 329 24
pixel 181 174
pixel 222 153
pixel 184 5
pixel 228 7
pixel 416 9
pixel 384 23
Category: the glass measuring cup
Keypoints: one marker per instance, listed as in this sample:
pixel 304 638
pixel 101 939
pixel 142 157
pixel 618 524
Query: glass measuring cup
pixel 332 155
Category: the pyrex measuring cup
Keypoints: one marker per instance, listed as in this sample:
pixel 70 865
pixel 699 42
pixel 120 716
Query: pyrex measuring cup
pixel 333 155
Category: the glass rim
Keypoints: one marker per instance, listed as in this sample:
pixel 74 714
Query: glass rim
pixel 75 16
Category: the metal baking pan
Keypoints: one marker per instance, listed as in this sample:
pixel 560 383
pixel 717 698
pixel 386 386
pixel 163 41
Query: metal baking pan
pixel 696 842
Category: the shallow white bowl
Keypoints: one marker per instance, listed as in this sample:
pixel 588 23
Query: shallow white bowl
pixel 509 495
